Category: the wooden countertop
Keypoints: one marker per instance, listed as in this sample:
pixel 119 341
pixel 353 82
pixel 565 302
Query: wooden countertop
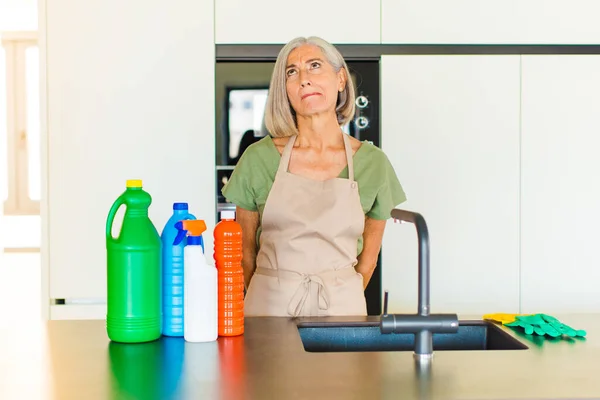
pixel 75 360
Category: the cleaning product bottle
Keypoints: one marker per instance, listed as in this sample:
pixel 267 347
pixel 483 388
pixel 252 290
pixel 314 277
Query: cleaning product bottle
pixel 172 273
pixel 133 270
pixel 200 286
pixel 228 259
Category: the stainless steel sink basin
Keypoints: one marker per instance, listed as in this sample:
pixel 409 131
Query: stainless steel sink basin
pixel 366 336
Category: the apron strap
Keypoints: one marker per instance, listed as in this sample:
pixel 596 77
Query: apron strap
pixel 349 157
pixel 286 155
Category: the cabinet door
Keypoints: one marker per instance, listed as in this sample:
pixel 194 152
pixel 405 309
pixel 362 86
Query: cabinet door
pixel 272 21
pixel 134 101
pixel 481 22
pixel 561 185
pixel 450 126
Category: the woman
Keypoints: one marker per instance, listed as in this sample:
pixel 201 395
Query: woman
pixel 311 200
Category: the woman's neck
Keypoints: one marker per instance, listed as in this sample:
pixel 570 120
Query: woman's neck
pixel 319 132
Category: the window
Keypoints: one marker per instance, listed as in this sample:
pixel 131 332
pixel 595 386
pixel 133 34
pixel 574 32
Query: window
pixel 20 130
pixel 246 112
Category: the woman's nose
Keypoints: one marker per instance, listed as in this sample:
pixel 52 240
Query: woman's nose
pixel 304 81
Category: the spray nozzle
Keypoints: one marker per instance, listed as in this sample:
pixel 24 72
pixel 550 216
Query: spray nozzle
pixel 194 228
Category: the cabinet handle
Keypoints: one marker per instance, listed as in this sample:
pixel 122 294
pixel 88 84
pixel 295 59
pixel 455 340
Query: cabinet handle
pixel 23 139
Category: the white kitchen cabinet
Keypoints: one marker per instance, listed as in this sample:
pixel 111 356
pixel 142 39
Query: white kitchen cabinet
pixel 130 95
pixel 483 22
pixel 272 21
pixel 561 186
pixel 450 126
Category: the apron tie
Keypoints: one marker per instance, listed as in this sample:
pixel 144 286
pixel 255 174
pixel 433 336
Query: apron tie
pixel 307 286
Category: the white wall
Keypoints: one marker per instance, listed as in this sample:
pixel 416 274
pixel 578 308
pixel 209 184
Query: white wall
pixel 484 22
pixel 450 126
pixel 18 15
pixel 274 21
pixel 130 92
pixel 560 183
pixel 499 153
pixel 411 21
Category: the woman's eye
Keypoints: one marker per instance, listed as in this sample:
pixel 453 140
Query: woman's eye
pixel 315 64
pixel 290 72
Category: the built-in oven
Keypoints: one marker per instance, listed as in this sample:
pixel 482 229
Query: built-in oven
pixel 241 93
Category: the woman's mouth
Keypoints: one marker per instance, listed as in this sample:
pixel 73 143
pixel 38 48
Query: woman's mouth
pixel 308 95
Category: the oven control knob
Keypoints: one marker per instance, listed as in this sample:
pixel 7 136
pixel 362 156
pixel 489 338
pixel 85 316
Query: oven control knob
pixel 361 102
pixel 361 122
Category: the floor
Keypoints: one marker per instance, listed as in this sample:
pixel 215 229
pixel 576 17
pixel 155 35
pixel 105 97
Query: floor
pixel 21 231
pixel 20 288
pixel 20 314
pixel 20 272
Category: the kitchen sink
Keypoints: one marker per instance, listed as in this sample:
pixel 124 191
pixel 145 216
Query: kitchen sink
pixel 366 336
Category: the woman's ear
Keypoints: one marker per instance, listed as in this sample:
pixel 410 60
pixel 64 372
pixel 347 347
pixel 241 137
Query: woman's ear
pixel 342 78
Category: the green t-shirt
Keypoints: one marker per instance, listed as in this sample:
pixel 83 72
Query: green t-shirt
pixel 378 186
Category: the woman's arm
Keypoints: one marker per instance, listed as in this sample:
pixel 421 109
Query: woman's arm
pixel 372 237
pixel 249 222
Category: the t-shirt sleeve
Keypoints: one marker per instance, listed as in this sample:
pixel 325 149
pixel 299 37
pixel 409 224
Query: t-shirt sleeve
pixel 390 193
pixel 238 189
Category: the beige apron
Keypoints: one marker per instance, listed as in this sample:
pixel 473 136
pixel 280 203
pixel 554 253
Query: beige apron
pixel 308 246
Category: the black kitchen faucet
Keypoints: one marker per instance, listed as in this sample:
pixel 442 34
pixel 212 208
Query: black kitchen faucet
pixel 422 324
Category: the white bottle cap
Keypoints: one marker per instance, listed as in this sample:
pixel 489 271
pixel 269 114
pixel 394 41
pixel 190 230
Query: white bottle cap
pixel 227 214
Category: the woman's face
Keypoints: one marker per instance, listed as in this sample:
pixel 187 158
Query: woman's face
pixel 311 82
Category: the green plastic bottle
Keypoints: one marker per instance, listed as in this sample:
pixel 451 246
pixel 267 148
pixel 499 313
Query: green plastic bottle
pixel 133 271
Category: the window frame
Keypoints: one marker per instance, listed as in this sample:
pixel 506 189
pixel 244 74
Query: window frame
pixel 18 200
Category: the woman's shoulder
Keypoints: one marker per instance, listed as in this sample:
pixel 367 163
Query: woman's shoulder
pixel 381 188
pixel 254 171
pixel 355 144
pixel 372 164
pixel 279 143
pixel 261 148
pixel 371 153
pixel 260 158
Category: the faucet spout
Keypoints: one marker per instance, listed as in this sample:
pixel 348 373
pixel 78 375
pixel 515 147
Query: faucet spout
pixel 423 324
pixel 423 238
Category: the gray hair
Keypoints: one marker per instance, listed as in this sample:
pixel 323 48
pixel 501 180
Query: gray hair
pixel 280 118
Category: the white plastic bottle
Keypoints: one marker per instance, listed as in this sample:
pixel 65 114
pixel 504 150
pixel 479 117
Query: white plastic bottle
pixel 200 318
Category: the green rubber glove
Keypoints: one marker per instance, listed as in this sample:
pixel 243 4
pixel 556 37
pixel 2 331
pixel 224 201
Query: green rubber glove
pixel 562 328
pixel 531 324
pixel 543 324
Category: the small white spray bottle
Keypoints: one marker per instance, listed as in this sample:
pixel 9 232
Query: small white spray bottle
pixel 200 301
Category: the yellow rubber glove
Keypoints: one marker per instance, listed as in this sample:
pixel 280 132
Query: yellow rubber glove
pixel 503 318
